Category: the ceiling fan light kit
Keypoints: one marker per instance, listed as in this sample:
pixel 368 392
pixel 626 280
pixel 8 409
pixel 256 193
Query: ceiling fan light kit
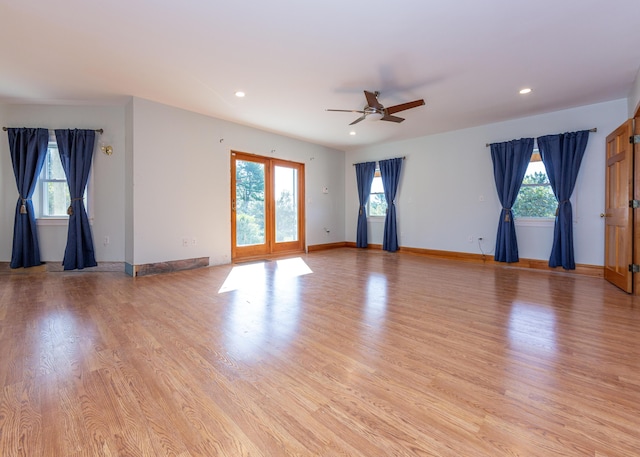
pixel 375 111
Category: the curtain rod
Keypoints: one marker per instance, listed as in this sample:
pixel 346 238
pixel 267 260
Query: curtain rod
pixel 595 129
pixel 100 131
pixel 354 164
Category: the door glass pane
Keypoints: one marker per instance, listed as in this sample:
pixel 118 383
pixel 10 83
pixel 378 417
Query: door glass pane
pixel 250 204
pixel 286 197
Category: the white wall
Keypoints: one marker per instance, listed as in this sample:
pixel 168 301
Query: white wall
pixel 108 173
pixel 128 186
pixel 444 176
pixel 8 193
pixel 634 96
pixel 168 178
pixel 181 183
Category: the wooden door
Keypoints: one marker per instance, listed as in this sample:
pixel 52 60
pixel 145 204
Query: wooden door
pixel 250 199
pixel 267 206
pixel 636 193
pixel 618 213
pixel 288 206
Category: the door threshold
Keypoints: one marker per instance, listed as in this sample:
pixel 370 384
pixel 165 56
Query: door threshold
pixel 267 258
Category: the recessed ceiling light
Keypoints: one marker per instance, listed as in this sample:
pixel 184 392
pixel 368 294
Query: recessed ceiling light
pixel 352 133
pixel 526 90
pixel 239 94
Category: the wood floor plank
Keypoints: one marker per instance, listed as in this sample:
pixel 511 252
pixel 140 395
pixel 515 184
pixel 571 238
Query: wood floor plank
pixel 363 353
pixel 10 428
pixel 99 414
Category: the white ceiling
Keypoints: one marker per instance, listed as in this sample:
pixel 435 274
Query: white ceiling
pixel 295 58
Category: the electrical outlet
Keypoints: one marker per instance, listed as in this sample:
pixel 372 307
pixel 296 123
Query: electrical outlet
pixel 481 239
pixel 106 240
pixel 185 242
pixel 470 239
pixel 194 242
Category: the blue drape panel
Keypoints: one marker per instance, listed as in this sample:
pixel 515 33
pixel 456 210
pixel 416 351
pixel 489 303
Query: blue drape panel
pixel 28 148
pixel 562 155
pixel 390 173
pixel 510 161
pixel 364 177
pixel 76 153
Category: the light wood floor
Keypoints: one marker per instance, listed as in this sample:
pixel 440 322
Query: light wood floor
pixel 368 354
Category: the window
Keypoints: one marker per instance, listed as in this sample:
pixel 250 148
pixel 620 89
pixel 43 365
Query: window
pixel 51 198
pixel 377 205
pixel 54 191
pixel 535 199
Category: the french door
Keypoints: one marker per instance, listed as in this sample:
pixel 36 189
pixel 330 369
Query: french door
pixel 267 206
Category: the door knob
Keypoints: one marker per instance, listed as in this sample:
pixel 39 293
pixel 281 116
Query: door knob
pixel 604 215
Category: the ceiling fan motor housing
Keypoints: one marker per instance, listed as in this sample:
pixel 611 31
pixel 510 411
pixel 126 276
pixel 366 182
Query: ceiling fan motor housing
pixel 373 114
pixel 375 111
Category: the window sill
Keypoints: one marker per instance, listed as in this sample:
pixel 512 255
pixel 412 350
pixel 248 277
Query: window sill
pixel 52 221
pixel 535 221
pixel 56 221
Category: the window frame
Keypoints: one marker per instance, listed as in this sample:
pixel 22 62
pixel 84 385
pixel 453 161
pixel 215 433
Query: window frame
pixel 377 174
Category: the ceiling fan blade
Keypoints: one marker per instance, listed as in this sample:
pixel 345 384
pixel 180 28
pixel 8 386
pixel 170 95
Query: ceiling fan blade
pixel 361 118
pixel 404 106
pixel 388 117
pixel 372 100
pixel 346 110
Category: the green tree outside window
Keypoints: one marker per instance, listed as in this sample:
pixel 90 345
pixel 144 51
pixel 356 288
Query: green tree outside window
pixel 535 198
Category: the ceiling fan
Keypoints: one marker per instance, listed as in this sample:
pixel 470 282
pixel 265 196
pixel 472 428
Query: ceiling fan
pixel 375 111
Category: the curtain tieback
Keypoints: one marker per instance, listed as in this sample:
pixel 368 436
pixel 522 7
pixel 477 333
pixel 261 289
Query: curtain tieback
pixel 361 209
pixel 70 208
pixel 386 211
pixel 562 202
pixel 507 214
pixel 23 206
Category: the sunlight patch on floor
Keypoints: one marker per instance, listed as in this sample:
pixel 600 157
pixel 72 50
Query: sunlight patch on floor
pixel 292 267
pixel 247 276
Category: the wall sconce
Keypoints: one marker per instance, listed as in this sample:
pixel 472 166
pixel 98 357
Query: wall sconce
pixel 108 150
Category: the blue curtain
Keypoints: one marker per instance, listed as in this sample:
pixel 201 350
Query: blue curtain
pixel 390 173
pixel 562 155
pixel 510 161
pixel 28 148
pixel 364 177
pixel 76 152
